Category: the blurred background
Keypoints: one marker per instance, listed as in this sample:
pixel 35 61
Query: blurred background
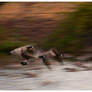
pixel 66 26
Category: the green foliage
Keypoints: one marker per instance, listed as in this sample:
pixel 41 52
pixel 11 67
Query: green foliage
pixel 9 42
pixel 75 32
pixel 6 46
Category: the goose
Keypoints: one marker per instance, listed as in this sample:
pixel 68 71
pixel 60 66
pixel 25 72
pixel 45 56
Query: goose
pixel 23 52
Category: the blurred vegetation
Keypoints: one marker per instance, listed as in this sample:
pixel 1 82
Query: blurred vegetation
pixel 75 33
pixel 72 35
pixel 6 46
pixel 9 42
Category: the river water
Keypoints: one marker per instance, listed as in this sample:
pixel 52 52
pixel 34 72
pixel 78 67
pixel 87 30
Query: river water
pixel 14 76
